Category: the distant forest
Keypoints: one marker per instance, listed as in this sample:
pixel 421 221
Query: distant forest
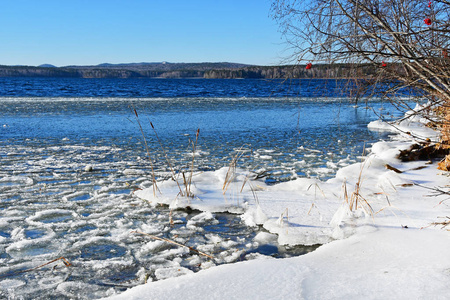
pixel 190 70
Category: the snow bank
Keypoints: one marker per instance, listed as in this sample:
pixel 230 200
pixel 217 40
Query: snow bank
pixel 385 249
pixel 208 190
pixel 412 123
pixel 388 263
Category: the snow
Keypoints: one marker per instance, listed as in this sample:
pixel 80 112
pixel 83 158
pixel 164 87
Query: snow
pixel 387 263
pixel 412 123
pixel 385 249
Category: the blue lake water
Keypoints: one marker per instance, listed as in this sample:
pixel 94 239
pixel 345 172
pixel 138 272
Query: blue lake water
pixel 51 129
pixel 169 88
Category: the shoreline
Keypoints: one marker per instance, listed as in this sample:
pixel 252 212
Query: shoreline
pixel 392 252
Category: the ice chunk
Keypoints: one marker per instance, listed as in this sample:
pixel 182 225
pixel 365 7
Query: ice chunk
pixel 265 238
pixel 11 284
pixel 171 272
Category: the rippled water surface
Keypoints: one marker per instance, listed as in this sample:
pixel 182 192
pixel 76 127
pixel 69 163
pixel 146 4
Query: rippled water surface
pixel 72 154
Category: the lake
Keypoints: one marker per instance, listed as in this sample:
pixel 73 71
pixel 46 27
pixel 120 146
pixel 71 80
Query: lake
pixel 72 153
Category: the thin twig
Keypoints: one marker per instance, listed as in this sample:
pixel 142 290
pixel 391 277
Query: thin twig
pixel 155 187
pixel 189 182
pixel 437 192
pixel 172 242
pixel 167 158
pixel 64 260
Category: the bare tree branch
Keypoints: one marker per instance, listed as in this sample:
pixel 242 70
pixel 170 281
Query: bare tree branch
pixel 406 41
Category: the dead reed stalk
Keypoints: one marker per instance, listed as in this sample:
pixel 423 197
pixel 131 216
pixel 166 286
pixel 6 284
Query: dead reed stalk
pixel 63 259
pixel 188 182
pixel 316 187
pixel 154 185
pixel 356 197
pixel 231 173
pixel 167 158
pixel 172 242
pixel 281 218
pixel 444 224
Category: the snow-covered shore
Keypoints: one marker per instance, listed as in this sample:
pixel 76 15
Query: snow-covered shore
pixel 387 250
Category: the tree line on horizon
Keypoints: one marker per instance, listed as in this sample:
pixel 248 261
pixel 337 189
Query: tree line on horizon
pixel 200 70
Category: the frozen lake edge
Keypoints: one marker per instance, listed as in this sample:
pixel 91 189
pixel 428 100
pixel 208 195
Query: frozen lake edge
pixel 395 254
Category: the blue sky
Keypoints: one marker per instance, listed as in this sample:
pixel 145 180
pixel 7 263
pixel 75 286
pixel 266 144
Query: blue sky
pixel 90 32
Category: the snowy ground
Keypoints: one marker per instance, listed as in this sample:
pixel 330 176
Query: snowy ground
pixel 387 250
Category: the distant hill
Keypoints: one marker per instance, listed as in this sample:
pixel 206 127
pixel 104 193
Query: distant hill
pixel 186 70
pixel 46 66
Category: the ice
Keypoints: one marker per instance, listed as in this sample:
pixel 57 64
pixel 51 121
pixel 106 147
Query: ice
pixel 206 187
pixel 214 238
pixel 54 208
pixel 265 238
pixel 11 284
pixel 133 172
pixel 386 251
pixel 171 272
pixel 36 247
pixel 300 163
pixel 79 290
pixel 265 157
pixel 198 153
pixel 254 216
pixel 411 124
pixel 51 217
pixel 228 244
pixel 151 247
pixel 76 196
pixel 199 220
pixel 99 248
pixel 51 282
pixel 13 180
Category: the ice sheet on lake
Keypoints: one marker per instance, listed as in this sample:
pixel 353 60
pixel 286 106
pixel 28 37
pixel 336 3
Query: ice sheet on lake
pixel 386 248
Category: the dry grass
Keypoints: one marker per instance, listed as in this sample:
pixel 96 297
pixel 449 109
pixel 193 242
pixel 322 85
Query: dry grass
pixel 313 204
pixel 356 199
pixel 444 223
pixel 171 218
pixel 154 185
pixel 167 158
pixel 231 173
pixel 188 181
pixel 444 142
pixel 284 215
pixel 252 188
pixel 444 164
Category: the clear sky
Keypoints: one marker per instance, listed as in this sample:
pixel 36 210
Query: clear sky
pixel 90 32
